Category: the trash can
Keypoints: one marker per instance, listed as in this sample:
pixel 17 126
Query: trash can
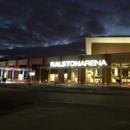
pixel 118 80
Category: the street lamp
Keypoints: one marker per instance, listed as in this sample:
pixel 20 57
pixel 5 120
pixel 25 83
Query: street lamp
pixel 30 59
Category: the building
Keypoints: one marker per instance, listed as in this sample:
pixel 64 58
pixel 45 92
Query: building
pixel 107 61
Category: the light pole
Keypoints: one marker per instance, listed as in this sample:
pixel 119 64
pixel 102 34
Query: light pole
pixel 30 59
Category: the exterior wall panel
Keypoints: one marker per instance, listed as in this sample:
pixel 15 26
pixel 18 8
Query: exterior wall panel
pixel 102 48
pixel 11 63
pixel 3 63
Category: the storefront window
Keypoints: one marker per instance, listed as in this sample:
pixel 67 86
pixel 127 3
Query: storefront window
pixel 67 75
pixel 93 75
pixel 53 76
pixel 74 75
pixel 115 72
pixel 89 75
pixel 71 75
pixel 120 72
pixel 97 75
pixel 124 74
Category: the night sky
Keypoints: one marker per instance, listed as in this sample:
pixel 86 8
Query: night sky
pixel 58 27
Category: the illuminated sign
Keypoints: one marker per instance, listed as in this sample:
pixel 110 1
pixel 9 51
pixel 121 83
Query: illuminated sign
pixel 78 63
pixel 32 73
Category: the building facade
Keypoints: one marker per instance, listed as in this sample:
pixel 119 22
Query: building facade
pixel 107 61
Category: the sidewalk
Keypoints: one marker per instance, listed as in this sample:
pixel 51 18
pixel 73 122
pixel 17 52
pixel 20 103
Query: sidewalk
pixel 105 90
pixel 63 88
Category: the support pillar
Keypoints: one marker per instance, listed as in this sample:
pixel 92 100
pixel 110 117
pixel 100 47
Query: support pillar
pixel 40 76
pixel 49 72
pixel 120 74
pixel 61 75
pixel 12 74
pixel 23 75
pixel 106 70
pixel 1 75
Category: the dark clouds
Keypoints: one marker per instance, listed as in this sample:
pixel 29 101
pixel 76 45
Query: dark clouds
pixel 58 27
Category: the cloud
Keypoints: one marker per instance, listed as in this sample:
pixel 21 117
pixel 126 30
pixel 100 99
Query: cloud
pixel 56 25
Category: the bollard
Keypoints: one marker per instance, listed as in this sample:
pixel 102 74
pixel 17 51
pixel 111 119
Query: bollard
pixel 29 86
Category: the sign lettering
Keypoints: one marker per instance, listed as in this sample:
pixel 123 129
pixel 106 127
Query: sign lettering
pixel 78 63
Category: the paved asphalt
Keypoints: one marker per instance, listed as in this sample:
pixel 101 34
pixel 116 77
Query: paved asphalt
pixel 68 108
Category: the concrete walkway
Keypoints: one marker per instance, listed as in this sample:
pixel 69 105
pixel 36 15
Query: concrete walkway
pixel 90 112
pixel 64 88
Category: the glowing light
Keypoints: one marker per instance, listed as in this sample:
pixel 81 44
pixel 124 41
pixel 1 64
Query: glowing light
pixel 32 73
pixel 78 63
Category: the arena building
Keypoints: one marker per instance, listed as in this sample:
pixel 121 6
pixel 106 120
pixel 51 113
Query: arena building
pixel 106 62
